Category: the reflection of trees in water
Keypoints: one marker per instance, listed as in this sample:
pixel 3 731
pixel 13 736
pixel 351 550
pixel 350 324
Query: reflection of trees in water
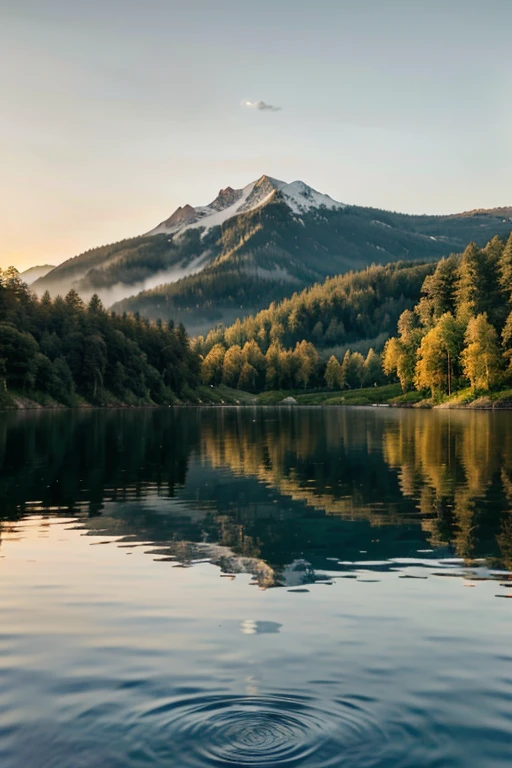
pixel 504 537
pixel 80 459
pixel 448 463
pixel 268 484
pixel 325 458
pixel 453 464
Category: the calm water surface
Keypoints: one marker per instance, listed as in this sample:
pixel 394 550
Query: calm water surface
pixel 271 587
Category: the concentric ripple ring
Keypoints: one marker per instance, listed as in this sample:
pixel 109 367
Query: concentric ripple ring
pixel 260 731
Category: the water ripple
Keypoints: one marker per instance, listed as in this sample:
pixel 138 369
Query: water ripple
pixel 262 731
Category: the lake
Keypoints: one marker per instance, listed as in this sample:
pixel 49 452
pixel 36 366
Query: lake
pixel 256 587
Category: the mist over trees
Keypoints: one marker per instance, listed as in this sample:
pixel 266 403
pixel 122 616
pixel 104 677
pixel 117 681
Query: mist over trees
pixel 68 350
pixel 451 320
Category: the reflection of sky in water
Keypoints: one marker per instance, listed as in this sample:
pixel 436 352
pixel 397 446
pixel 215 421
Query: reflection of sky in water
pixel 251 627
pixel 136 661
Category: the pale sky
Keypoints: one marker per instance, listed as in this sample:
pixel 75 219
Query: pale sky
pixel 114 112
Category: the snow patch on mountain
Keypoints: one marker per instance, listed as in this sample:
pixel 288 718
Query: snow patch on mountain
pixel 207 216
pixel 299 197
pixel 302 198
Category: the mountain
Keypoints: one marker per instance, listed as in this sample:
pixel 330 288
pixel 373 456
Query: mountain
pixel 210 264
pixel 231 202
pixel 32 274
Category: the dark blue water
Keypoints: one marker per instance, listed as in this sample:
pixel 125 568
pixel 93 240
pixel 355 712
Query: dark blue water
pixel 239 587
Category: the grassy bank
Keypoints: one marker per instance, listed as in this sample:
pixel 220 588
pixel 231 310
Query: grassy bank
pixel 33 400
pixel 390 394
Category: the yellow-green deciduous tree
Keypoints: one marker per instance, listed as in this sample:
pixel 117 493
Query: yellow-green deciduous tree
pixel 400 352
pixel 211 367
pixel 254 356
pixel 481 359
pixel 272 374
pixel 248 377
pixel 353 369
pixel 438 354
pixel 308 360
pixel 333 373
pixel 232 366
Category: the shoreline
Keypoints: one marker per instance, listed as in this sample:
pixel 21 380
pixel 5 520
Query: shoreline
pixel 221 396
pixel 37 407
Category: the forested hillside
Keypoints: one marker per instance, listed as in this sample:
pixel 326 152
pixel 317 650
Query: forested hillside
pixel 70 352
pixel 459 335
pixel 212 264
pixel 118 269
pixel 342 310
pixel 267 254
pixel 454 320
pixel 288 344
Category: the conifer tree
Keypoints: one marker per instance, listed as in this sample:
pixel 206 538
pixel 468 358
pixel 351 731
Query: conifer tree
pixel 437 290
pixel 372 372
pixel 470 289
pixel 505 269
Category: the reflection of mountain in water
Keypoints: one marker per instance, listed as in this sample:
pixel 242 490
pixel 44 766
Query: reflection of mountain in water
pixel 272 492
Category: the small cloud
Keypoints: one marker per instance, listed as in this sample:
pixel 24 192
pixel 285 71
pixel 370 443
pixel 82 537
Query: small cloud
pixel 261 105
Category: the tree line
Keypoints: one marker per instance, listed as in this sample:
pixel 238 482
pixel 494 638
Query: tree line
pixel 299 342
pixel 453 320
pixel 456 333
pixel 342 310
pixel 68 350
pixel 247 368
pixel 460 332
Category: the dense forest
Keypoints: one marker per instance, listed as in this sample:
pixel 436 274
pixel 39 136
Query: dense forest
pixel 69 351
pixel 339 311
pixel 459 334
pixel 224 291
pixel 453 317
pixel 284 346
pixel 265 254
pixel 454 321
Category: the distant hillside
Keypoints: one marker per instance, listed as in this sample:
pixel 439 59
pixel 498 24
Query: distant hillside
pixel 34 273
pixel 453 317
pixel 343 311
pixel 248 247
pixel 265 256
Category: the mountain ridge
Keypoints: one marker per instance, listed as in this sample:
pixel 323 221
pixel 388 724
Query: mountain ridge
pixel 208 264
pixel 32 274
pixel 230 202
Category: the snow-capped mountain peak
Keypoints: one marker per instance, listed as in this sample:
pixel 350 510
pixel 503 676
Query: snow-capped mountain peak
pixel 302 198
pixel 298 196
